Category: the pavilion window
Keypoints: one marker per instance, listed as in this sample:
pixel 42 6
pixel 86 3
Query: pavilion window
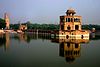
pixel 68 19
pixel 76 20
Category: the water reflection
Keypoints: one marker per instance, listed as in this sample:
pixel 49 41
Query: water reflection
pixel 5 40
pixel 95 36
pixel 2 40
pixel 27 37
pixel 70 48
pixel 30 36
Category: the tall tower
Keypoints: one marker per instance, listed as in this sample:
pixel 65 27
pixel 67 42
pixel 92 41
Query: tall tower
pixel 6 20
pixel 70 21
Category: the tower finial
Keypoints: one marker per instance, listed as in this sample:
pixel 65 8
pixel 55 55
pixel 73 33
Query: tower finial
pixel 70 12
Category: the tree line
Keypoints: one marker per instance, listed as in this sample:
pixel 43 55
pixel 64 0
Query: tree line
pixel 52 26
pixel 90 26
pixel 44 26
pixel 2 23
pixel 36 26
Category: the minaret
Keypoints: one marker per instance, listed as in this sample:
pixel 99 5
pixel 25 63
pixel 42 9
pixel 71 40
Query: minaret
pixel 6 20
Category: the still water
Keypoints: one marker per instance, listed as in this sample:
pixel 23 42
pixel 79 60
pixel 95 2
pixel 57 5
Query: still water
pixel 30 50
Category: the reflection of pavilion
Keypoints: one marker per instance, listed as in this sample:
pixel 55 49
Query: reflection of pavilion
pixel 70 48
pixel 22 37
pixel 60 40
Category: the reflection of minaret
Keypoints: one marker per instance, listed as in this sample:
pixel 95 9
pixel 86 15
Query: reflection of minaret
pixel 7 35
pixel 69 50
pixel 6 20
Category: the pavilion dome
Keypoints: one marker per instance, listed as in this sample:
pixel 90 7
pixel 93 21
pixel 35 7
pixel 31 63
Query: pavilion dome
pixel 70 11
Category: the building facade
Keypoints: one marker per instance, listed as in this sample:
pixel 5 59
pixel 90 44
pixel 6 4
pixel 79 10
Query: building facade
pixel 22 27
pixel 70 21
pixel 70 26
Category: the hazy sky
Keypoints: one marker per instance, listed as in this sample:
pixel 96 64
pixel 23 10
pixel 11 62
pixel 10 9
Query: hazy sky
pixel 48 11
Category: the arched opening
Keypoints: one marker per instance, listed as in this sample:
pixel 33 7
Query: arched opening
pixel 67 36
pixel 68 27
pixel 82 36
pixel 76 45
pixel 68 44
pixel 76 27
pixel 69 20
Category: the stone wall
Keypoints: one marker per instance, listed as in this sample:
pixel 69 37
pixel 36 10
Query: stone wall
pixel 1 31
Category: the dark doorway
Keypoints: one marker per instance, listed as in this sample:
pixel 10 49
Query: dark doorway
pixel 61 49
pixel 76 27
pixel 68 44
pixel 76 45
pixel 62 27
pixel 67 36
pixel 68 27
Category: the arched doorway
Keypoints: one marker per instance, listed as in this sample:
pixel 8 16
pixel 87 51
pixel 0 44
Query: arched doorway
pixel 68 28
pixel 76 27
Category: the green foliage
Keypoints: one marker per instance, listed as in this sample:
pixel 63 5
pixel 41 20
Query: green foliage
pixel 90 26
pixel 14 26
pixel 46 26
pixel 37 26
pixel 51 26
pixel 97 37
pixel 2 23
pixel 2 41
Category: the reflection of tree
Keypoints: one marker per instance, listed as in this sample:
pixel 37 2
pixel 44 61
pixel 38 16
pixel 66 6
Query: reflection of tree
pixel 15 37
pixel 95 36
pixel 21 37
pixel 27 37
pixel 2 41
pixel 2 23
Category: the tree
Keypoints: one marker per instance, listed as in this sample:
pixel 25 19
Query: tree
pixel 14 26
pixel 2 23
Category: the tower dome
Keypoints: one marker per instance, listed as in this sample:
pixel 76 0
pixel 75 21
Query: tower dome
pixel 70 12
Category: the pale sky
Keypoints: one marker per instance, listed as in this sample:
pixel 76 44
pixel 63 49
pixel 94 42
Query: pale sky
pixel 48 11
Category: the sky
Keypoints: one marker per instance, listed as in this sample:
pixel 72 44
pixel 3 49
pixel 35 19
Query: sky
pixel 48 11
